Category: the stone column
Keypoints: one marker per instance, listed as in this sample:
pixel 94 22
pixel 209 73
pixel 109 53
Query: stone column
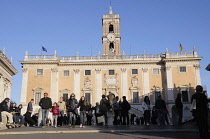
pixel 1 88
pixel 98 90
pixel 197 74
pixel 145 77
pixel 169 85
pixel 9 90
pixel 124 82
pixel 54 85
pixel 77 83
pixel 24 86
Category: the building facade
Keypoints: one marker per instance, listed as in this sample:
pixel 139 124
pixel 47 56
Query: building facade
pixel 6 72
pixel 133 76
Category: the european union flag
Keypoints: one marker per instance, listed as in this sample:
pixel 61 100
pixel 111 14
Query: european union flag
pixel 44 49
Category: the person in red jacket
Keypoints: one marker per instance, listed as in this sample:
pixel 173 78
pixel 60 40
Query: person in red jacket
pixel 55 112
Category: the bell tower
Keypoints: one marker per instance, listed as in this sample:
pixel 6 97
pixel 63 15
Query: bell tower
pixel 111 33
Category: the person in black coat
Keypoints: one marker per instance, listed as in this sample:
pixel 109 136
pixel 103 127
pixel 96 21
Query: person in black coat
pixel 125 107
pixel 201 111
pixel 179 107
pixel 104 107
pixel 72 109
pixel 4 108
pixel 161 107
pixel 45 103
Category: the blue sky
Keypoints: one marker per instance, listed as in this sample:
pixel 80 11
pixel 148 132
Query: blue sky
pixel 70 26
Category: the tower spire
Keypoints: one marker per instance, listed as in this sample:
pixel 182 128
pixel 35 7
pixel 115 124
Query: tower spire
pixel 110 7
pixel 110 10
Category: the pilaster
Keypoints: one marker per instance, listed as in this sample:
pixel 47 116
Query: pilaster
pixel 98 79
pixel 124 82
pixel 24 86
pixel 197 74
pixel 145 80
pixel 169 85
pixel 77 83
pixel 54 85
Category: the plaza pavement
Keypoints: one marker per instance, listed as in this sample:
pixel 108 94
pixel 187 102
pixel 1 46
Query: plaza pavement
pixel 103 129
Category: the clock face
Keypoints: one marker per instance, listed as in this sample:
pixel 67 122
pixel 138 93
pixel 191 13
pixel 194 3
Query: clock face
pixel 111 37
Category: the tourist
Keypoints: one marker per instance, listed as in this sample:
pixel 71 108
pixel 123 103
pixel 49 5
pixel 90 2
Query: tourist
pixel 179 107
pixel 83 110
pixel 35 118
pixel 125 108
pixel 6 111
pixel 97 112
pixel 19 116
pixel 201 111
pixel 45 103
pixel 104 107
pixel 132 118
pixel 72 109
pixel 161 107
pixel 13 110
pixel 147 106
pixel 154 116
pixel 116 107
pixel 89 114
pixel 62 109
pixel 30 106
pixel 55 112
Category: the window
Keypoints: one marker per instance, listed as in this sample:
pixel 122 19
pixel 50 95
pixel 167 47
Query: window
pixel 87 72
pixel 65 97
pixel 135 97
pixel 66 73
pixel 87 97
pixel 39 72
pixel 37 97
pixel 182 69
pixel 111 48
pixel 134 71
pixel 185 96
pixel 111 28
pixel 111 72
pixel 156 71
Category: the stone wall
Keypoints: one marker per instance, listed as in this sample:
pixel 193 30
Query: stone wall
pixel 4 120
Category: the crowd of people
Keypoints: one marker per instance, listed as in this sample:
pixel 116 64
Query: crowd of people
pixel 83 113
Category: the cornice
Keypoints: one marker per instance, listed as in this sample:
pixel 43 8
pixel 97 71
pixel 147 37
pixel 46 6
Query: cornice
pixel 39 62
pixel 182 59
pixel 8 67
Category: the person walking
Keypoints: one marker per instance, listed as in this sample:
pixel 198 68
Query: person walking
pixel 161 107
pixel 201 111
pixel 104 107
pixel 45 103
pixel 30 106
pixel 72 109
pixel 116 107
pixel 179 107
pixel 62 109
pixel 147 106
pixel 83 110
pixel 125 106
pixel 55 112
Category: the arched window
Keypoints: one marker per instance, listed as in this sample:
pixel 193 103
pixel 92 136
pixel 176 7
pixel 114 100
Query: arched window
pixel 111 28
pixel 111 47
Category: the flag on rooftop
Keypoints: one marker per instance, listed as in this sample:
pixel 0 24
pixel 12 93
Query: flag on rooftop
pixel 181 47
pixel 44 49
